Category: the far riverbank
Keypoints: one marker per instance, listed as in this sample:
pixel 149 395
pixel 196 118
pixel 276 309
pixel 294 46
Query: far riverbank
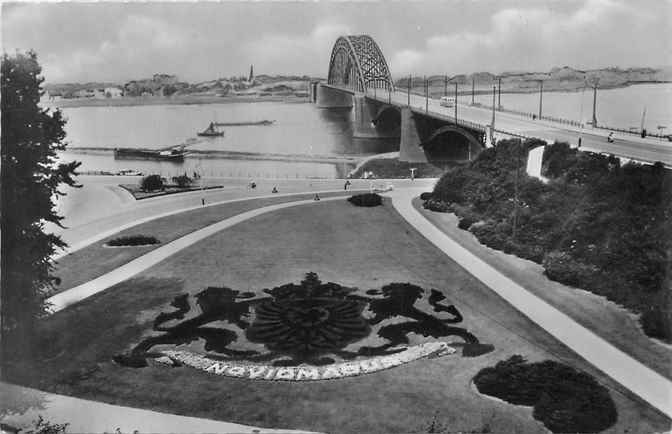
pixel 174 100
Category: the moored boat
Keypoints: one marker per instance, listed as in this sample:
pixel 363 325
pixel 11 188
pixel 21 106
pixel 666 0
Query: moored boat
pixel 149 154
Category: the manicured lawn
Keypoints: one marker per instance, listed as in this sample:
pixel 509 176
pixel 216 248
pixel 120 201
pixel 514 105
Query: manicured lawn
pixel 77 268
pixel 357 247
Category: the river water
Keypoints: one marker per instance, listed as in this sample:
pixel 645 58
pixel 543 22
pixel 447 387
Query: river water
pixel 616 108
pixel 304 140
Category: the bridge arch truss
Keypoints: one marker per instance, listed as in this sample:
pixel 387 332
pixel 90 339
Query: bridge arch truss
pixel 358 64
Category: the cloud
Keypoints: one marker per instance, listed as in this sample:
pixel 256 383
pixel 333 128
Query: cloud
pixel 309 53
pixel 140 47
pixel 599 33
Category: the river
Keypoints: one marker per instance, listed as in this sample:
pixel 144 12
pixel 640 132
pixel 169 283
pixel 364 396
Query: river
pixel 616 108
pixel 304 141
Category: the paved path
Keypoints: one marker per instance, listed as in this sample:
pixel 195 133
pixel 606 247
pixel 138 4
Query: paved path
pixel 21 406
pixel 643 381
pixel 95 212
pixel 73 295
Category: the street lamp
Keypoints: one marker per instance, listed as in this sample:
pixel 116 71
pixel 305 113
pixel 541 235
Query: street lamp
pixel 541 96
pixel 499 93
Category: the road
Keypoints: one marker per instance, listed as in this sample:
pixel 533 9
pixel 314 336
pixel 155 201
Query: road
pixel 630 146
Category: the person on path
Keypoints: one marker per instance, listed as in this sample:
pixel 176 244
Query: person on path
pixel 203 201
pixel 275 189
pixel 317 197
pixel 347 184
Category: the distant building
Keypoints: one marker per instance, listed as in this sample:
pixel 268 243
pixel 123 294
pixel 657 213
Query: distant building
pixel 113 92
pixel 251 77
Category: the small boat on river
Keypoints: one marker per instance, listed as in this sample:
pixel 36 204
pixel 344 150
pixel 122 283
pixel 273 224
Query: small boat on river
pixel 211 131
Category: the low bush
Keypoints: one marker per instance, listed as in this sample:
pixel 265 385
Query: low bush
pixel 656 322
pixel 436 205
pixel 366 199
pixel 132 240
pixel 564 399
pixel 426 195
pixel 151 183
pixel 182 181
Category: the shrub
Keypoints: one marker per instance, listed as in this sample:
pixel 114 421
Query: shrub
pixel 560 266
pixel 564 399
pixel 466 222
pixel 182 181
pixel 151 183
pixel 426 195
pixel 133 240
pixel 436 205
pixel 366 199
pixel 657 322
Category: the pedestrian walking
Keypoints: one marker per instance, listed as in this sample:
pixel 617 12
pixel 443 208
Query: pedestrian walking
pixel 317 197
pixel 275 189
pixel 347 184
pixel 203 201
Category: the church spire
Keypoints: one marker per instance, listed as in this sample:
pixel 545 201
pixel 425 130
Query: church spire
pixel 251 74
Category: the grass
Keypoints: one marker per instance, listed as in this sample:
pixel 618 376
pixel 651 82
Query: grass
pixel 606 319
pixel 364 248
pixel 394 169
pixel 77 268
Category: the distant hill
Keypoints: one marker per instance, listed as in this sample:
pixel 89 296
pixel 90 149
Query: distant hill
pixel 169 85
pixel 558 78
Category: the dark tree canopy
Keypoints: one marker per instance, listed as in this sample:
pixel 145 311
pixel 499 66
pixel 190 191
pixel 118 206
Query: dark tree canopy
pixel 31 175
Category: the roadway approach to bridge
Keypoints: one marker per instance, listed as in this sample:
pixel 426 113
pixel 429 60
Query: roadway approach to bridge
pixel 474 119
pixel 360 79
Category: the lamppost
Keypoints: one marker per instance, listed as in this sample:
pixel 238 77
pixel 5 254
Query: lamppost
pixel 473 89
pixel 499 93
pixel 445 85
pixel 426 94
pixel 594 120
pixel 456 102
pixel 492 123
pixel 541 96
pixel 410 80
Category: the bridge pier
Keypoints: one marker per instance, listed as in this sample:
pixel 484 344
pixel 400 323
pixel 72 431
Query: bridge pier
pixel 409 144
pixel 328 97
pixel 369 121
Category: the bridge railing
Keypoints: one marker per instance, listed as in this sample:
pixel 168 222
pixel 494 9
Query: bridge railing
pixel 558 120
pixel 635 132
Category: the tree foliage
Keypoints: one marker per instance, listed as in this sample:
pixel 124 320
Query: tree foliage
pixel 151 183
pixel 31 175
pixel 595 225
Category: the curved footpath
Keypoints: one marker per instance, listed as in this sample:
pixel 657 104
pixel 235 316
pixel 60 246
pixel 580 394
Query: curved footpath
pixel 641 380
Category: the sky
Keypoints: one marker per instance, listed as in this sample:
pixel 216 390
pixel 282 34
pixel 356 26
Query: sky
pixel 198 41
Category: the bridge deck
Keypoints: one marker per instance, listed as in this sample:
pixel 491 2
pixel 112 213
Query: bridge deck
pixel 509 124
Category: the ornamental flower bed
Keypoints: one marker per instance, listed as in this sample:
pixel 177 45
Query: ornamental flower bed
pixel 132 240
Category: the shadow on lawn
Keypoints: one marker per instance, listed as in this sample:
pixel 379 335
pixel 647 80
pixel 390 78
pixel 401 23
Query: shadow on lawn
pixel 311 323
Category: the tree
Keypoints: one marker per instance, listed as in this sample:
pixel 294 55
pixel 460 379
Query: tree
pixel 151 183
pixel 182 181
pixel 31 175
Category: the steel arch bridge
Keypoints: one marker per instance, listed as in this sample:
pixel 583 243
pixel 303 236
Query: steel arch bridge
pixel 358 64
